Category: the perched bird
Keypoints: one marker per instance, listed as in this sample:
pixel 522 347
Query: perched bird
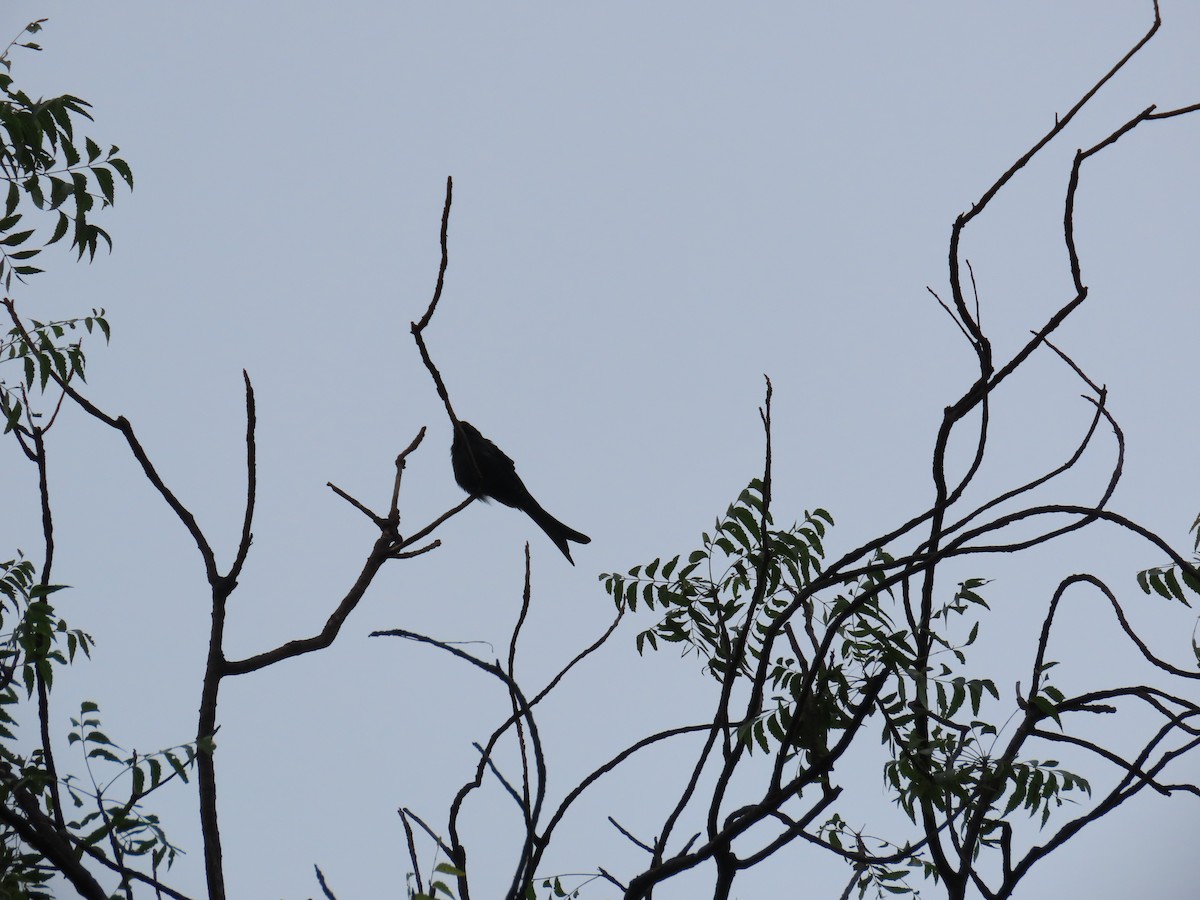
pixel 483 470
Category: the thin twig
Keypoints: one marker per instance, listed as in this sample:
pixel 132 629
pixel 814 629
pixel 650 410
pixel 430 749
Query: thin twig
pixel 324 887
pixel 412 849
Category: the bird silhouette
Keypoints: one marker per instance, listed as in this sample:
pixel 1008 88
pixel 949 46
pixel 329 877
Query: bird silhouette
pixel 484 470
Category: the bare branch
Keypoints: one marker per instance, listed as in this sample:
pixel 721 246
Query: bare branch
pixel 412 849
pixel 379 520
pixel 243 549
pixel 401 461
pixel 441 279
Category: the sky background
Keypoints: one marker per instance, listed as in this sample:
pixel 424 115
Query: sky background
pixel 654 206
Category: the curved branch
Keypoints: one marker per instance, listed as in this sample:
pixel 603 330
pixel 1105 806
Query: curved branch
pixel 418 328
pixel 441 279
pixel 978 206
pixel 380 553
pixel 243 549
pixel 121 424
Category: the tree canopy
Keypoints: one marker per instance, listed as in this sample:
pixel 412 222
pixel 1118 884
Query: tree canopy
pixel 825 662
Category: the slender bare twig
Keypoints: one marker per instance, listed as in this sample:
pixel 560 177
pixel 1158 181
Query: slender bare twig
pixel 1060 123
pixel 401 462
pixel 324 887
pixel 243 549
pixel 379 521
pixel 412 849
pixel 418 328
pixel 522 711
pixel 617 825
pixel 441 845
pixel 380 552
pixel 526 595
pixel 428 529
pixel 441 278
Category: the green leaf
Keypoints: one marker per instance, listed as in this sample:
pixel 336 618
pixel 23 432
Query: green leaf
pixel 33 188
pixel 123 170
pixel 1174 587
pixel 15 240
pixel 43 369
pixel 957 698
pixel 733 528
pixel 761 736
pixel 13 417
pixel 105 179
pixel 1014 801
pixel 1143 580
pixel 60 190
pixel 1190 580
pixel 175 764
pixel 38 591
pixel 60 229
pixel 775 726
pixel 83 199
pixel 1047 707
pixel 747 519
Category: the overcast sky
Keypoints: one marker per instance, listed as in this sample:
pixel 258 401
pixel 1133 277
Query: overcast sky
pixel 655 204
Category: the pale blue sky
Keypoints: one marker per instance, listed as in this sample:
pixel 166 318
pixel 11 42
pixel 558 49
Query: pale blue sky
pixel 653 207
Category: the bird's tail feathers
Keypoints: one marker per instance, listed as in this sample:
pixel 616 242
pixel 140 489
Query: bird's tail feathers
pixel 557 531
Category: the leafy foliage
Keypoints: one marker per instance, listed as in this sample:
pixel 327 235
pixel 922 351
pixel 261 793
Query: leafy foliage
pixel 881 878
pixel 32 640
pixel 1165 580
pixel 122 822
pixel 46 163
pixel 41 349
pixel 35 639
pixel 726 605
pixel 709 599
pixel 56 174
pixel 31 631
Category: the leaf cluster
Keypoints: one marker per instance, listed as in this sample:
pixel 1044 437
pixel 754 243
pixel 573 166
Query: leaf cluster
pixel 42 350
pixel 123 821
pixel 707 600
pixel 881 878
pixel 1166 582
pixel 749 582
pixel 34 640
pixel 31 633
pixel 47 163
